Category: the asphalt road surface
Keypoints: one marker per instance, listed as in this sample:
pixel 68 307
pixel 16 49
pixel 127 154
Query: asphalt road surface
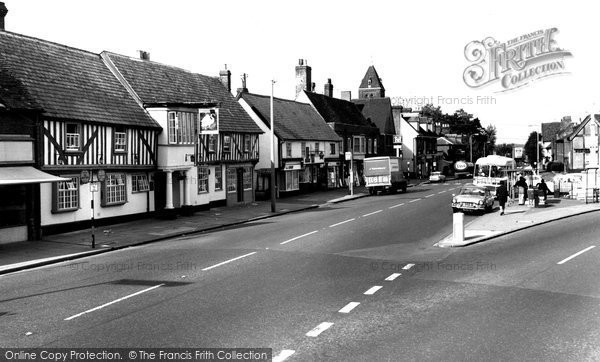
pixel 359 280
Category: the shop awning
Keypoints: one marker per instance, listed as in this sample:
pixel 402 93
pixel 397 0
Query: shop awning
pixel 26 175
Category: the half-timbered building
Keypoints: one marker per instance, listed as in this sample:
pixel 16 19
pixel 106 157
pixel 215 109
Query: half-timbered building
pixel 209 144
pixel 90 132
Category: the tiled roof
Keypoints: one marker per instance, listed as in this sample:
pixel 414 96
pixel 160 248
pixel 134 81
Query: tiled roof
pixel 13 95
pixel 375 80
pixel 157 83
pixel 293 120
pixel 335 110
pixel 379 110
pixel 549 131
pixel 69 83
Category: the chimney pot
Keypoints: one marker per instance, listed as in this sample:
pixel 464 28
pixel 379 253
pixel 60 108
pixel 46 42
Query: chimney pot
pixel 225 78
pixel 300 61
pixel 3 12
pixel 144 55
pixel 328 91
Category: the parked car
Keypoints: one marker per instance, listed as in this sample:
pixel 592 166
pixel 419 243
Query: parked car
pixel 437 177
pixel 473 198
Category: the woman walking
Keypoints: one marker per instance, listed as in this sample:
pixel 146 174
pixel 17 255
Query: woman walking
pixel 502 195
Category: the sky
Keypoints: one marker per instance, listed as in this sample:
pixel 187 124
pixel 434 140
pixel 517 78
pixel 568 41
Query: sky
pixel 417 47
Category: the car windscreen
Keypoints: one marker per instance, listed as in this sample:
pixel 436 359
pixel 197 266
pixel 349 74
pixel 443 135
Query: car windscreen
pixel 472 192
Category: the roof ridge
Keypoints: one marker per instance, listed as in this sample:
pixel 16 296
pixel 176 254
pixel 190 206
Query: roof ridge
pixel 48 42
pixel 277 98
pixel 158 63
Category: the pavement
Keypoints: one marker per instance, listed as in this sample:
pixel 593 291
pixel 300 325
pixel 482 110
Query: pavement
pixel 77 244
pixel 517 217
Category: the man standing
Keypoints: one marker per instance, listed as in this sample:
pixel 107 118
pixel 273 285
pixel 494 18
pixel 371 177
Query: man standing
pixel 502 195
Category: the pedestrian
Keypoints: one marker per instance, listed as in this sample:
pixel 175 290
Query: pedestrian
pixel 502 195
pixel 522 187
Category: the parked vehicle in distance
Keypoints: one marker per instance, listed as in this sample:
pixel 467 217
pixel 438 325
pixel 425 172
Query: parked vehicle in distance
pixel 437 177
pixel 384 174
pixel 473 198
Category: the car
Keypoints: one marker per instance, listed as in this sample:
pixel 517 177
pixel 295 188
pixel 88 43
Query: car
pixel 473 198
pixel 437 177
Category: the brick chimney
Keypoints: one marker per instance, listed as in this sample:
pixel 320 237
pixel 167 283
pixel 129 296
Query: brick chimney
pixel 303 77
pixel 244 81
pixel 328 91
pixel 225 77
pixel 347 95
pixel 144 55
pixel 3 12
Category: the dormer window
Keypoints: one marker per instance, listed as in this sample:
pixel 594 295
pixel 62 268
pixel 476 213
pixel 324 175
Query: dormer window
pixel 369 82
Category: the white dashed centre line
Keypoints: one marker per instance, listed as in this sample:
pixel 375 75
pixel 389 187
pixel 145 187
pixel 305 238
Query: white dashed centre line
pixel 343 222
pixel 391 207
pixel 113 302
pixel 283 355
pixel 319 329
pixel 373 290
pixel 576 254
pixel 408 266
pixel 441 192
pixel 392 277
pixel 430 195
pixel 372 213
pixel 228 261
pixel 298 237
pixel 415 200
pixel 348 308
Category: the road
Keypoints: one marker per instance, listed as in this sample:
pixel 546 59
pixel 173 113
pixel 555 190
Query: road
pixel 313 286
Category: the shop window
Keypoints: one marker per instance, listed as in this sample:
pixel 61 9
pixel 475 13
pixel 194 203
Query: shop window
pixel 218 178
pixel 248 171
pixel 291 180
pixel 231 179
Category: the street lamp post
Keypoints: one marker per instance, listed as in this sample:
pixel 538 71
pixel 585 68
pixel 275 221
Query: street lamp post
pixel 273 194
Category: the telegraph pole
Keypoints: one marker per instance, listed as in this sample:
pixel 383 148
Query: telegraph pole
pixel 273 194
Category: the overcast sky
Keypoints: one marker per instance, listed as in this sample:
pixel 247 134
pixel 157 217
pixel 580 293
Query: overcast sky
pixel 417 47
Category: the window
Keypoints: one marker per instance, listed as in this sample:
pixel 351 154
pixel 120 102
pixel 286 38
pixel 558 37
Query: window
pixel 66 195
pixel 248 177
pixel 212 143
pixel 73 137
pixel 291 180
pixel 370 145
pixel 114 190
pixel 288 149
pixel 332 148
pixel 139 183
pixel 316 148
pixel 303 149
pixel 120 139
pixel 359 144
pixel 182 127
pixel 246 143
pixel 348 144
pixel 231 179
pixel 202 179
pixel 226 143
pixel 375 146
pixel 218 178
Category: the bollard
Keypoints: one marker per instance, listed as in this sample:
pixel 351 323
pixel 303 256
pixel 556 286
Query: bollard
pixel 458 227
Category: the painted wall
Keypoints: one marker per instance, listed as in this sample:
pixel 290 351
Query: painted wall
pixel 264 140
pixel 136 203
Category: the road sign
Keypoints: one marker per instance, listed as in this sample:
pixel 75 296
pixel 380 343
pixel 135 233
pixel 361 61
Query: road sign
pixel 94 187
pixel 397 140
pixel 398 147
pixel 348 156
pixel 101 175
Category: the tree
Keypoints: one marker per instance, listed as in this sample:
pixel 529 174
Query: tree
pixel 530 151
pixel 490 132
pixel 505 149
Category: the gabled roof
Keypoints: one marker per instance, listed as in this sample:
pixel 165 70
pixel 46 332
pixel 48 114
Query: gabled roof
pixel 156 83
pixel 335 110
pixel 550 130
pixel 293 120
pixel 577 129
pixel 375 80
pixel 67 83
pixel 379 110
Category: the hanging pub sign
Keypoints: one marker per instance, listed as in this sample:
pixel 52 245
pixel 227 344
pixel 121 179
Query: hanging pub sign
pixel 209 121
